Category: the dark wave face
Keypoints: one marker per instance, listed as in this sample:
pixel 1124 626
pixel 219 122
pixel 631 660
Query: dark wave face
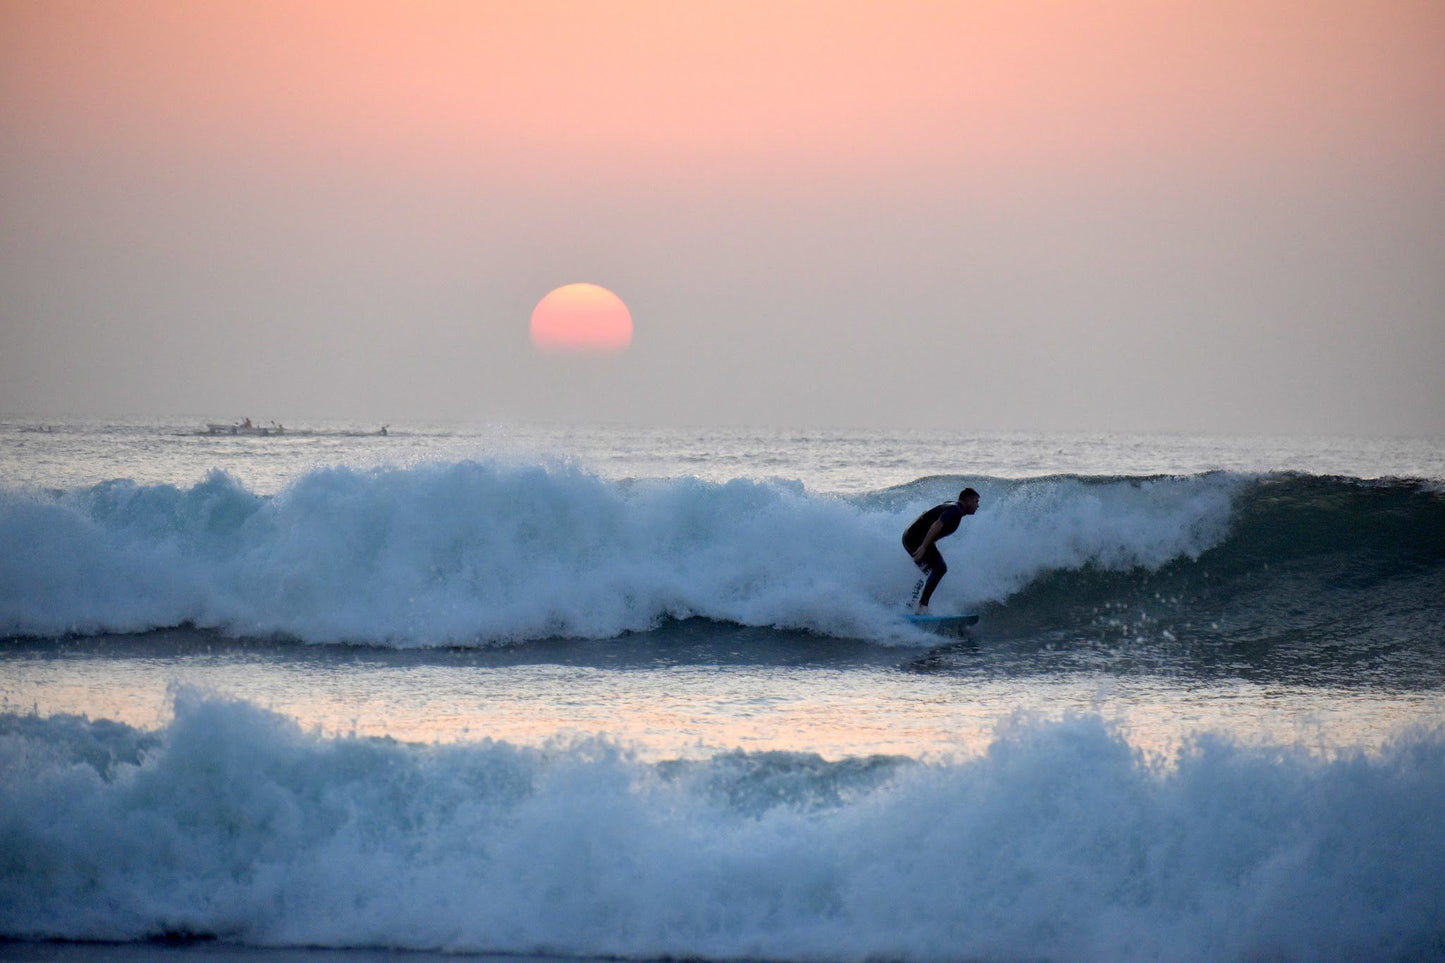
pixel 1323 577
pixel 1218 568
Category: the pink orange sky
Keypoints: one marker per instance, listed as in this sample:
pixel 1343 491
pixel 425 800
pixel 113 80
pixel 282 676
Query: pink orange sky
pixel 768 88
pixel 1134 199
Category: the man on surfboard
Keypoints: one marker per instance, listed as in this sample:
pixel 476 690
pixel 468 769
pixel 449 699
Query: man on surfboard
pixel 920 541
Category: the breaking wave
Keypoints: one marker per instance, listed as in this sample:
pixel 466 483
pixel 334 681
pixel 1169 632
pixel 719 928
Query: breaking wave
pixel 479 553
pixel 1061 842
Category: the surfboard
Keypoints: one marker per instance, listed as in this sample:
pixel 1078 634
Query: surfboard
pixel 943 621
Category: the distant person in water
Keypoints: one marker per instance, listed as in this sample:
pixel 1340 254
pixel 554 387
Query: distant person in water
pixel 921 542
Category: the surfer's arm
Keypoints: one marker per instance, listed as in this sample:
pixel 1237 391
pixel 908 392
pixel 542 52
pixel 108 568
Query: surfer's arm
pixel 928 540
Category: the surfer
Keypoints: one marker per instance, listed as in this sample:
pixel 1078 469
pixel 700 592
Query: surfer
pixel 920 541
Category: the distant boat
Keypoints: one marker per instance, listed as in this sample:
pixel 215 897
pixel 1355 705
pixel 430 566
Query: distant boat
pixel 245 427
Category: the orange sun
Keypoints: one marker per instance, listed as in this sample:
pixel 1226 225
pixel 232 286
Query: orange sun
pixel 581 317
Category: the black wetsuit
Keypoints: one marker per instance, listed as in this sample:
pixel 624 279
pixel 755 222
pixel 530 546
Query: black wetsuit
pixel 951 513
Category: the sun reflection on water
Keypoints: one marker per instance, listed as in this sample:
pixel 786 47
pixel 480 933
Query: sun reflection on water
pixel 694 711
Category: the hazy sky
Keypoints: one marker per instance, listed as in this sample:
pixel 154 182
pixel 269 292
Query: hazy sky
pixel 1210 217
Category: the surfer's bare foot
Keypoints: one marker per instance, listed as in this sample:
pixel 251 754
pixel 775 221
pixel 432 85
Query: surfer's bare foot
pixel 920 610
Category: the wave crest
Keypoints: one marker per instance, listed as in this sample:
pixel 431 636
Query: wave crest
pixel 478 553
pixel 474 553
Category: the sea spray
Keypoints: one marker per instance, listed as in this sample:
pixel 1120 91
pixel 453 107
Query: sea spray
pixel 479 553
pixel 1061 841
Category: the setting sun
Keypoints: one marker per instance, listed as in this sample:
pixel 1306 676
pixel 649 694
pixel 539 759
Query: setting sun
pixel 581 317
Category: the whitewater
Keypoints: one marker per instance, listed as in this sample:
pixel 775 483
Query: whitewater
pixel 480 553
pixel 605 692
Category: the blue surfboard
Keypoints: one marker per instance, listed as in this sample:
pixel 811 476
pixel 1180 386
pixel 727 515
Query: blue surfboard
pixel 943 621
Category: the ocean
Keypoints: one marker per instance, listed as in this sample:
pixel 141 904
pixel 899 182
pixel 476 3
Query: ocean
pixel 333 692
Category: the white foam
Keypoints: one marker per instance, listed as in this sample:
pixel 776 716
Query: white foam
pixel 1062 842
pixel 1049 525
pixel 486 552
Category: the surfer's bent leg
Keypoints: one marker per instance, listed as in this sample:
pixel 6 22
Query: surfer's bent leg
pixel 932 565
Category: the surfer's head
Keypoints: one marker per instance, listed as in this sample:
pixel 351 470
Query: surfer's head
pixel 968 500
